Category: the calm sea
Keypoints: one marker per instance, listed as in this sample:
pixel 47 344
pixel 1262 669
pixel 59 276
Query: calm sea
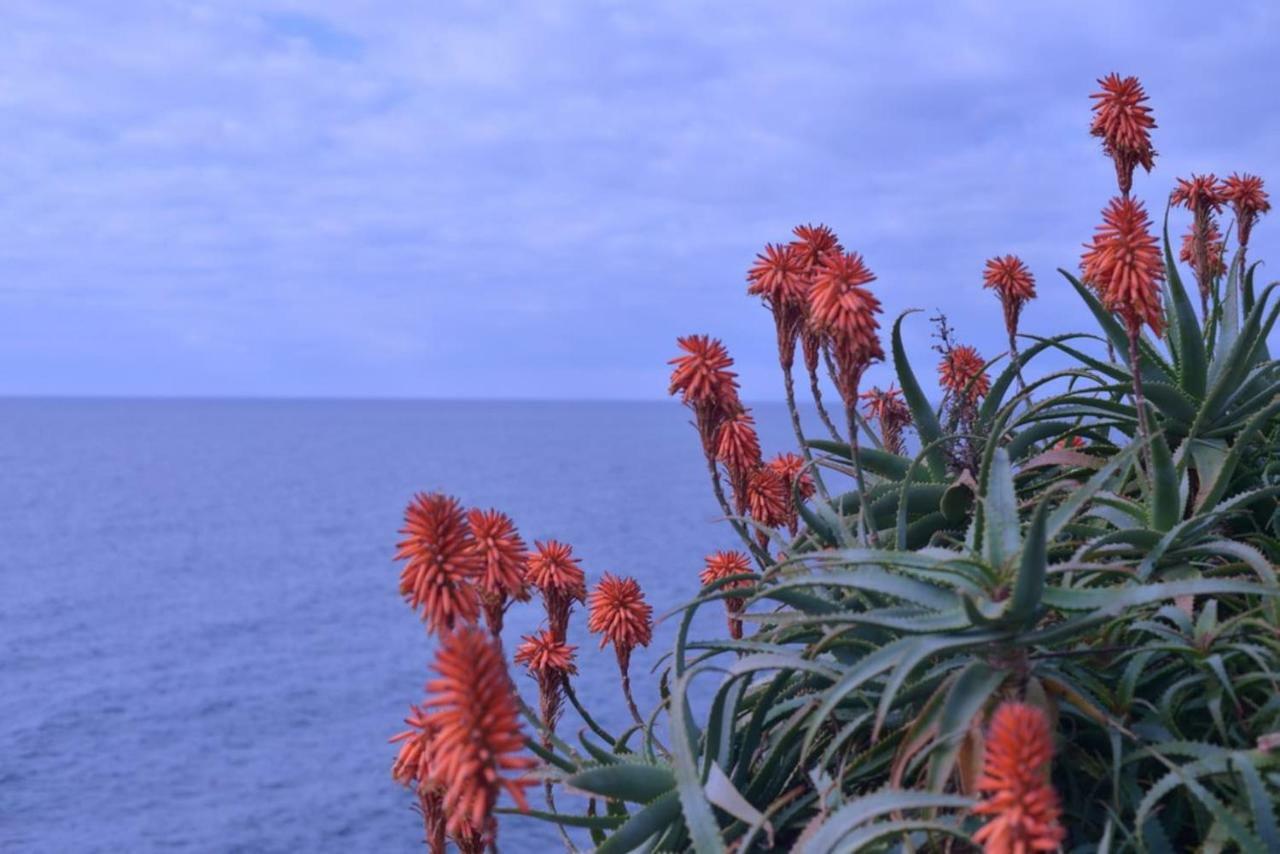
pixel 201 643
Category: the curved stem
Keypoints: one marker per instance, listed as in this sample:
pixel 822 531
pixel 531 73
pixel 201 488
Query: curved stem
pixel 762 557
pixel 626 692
pixel 789 385
pixel 1138 399
pixel 1013 354
pixel 815 388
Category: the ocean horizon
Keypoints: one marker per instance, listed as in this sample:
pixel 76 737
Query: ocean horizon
pixel 203 647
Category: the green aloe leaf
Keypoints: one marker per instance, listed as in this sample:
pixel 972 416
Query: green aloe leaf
pixel 635 782
pixel 1001 540
pixel 834 833
pixel 1189 344
pixel 1028 585
pixel 922 414
pixel 1166 503
pixel 655 818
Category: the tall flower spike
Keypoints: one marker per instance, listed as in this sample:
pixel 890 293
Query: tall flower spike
pixel 1123 121
pixel 768 500
pixel 1124 264
pixel 706 385
pixel 1215 251
pixel 1021 801
pixel 778 277
pixel 619 614
pixel 1248 200
pixel 1199 193
pixel 738 447
pixel 795 476
pixel 558 576
pixel 702 375
pixel 505 560
pixel 478 749
pixel 961 373
pixel 412 769
pixel 781 279
pixel 551 662
pixel 1202 195
pixel 720 566
pixel 813 243
pixel 887 407
pixel 1009 277
pixel 442 563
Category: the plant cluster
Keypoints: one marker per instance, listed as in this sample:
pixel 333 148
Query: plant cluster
pixel 1043 615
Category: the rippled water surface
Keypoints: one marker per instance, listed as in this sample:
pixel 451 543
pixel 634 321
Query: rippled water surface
pixel 201 644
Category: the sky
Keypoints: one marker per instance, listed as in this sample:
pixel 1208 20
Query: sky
pixel 533 199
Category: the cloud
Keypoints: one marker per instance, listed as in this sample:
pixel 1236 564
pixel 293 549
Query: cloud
pixel 533 199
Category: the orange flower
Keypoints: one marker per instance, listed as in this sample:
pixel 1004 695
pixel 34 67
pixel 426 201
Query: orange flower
pixel 840 306
pixel 412 769
pixel 1124 264
pixel 891 411
pixel 961 366
pixel 843 310
pixel 1199 193
pixel 1070 443
pixel 544 653
pixel 1124 123
pixel 706 385
pixel 556 573
pixel 442 562
pixel 1248 200
pixel 702 376
pixel 813 243
pixel 778 276
pixel 767 497
pixel 722 565
pixel 505 558
pixel 550 660
pixel 794 472
pixel 620 615
pixel 478 743
pixel 1009 277
pixel 781 277
pixel 1215 250
pixel 413 763
pixel 1015 779
pixel 737 445
pixel 795 476
pixel 553 567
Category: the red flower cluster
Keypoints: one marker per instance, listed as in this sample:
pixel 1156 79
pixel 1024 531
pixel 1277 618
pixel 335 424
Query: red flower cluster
pixel 1215 251
pixel 1123 263
pixel 961 372
pixel 505 562
pixel 477 748
pixel 1248 200
pixel 720 566
pixel 619 614
pixel 794 474
pixel 1019 798
pixel 1123 122
pixel 890 411
pixel 551 662
pixel 780 277
pixel 1012 281
pixel 559 578
pixel 443 563
pixel 844 312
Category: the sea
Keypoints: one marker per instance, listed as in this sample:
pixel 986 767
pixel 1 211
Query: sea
pixel 202 647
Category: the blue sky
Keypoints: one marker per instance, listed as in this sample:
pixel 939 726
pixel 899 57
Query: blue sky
pixel 533 199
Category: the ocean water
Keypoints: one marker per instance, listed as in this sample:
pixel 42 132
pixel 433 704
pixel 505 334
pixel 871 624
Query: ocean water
pixel 201 643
